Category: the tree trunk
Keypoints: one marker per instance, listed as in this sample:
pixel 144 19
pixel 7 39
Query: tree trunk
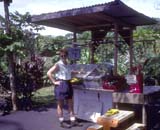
pixel 12 81
pixel 10 59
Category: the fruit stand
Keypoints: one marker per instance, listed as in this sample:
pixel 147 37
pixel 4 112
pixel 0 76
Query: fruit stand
pixel 93 98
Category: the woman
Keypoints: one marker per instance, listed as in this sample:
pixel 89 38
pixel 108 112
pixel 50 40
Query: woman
pixel 60 74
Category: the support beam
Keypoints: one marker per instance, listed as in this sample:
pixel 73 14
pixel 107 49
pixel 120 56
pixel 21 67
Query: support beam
pixel 115 49
pixel 131 49
pixel 91 46
pixel 74 37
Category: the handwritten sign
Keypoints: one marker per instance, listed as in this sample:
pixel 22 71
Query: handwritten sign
pixel 131 79
pixel 74 53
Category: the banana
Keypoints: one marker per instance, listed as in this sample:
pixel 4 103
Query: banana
pixel 111 112
pixel 75 80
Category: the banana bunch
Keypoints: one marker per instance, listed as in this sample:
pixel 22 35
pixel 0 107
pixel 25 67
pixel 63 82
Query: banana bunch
pixel 111 112
pixel 75 80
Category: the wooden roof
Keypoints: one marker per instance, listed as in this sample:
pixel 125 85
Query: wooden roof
pixel 101 16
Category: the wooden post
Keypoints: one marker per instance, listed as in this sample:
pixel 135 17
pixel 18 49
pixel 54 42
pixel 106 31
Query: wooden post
pixel 131 49
pixel 74 40
pixel 115 49
pixel 92 48
pixel 92 53
pixel 74 37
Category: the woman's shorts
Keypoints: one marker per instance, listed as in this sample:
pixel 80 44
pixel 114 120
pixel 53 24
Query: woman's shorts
pixel 63 91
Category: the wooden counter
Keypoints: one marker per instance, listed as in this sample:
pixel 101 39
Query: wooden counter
pixel 149 95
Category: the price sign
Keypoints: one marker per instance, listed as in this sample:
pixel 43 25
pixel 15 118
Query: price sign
pixel 74 53
pixel 131 79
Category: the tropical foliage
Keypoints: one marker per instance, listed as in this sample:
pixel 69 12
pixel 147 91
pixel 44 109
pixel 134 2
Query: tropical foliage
pixel 13 47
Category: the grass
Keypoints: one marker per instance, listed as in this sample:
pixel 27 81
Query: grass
pixel 43 96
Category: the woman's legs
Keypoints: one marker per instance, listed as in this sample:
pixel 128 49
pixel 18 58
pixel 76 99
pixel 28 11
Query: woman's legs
pixel 73 120
pixel 60 109
pixel 60 114
pixel 71 112
pixel 70 107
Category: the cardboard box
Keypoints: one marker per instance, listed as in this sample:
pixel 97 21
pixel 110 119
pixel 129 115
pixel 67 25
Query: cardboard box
pixel 116 119
pixel 95 127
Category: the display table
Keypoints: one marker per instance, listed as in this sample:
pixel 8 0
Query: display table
pixel 150 94
pixel 90 103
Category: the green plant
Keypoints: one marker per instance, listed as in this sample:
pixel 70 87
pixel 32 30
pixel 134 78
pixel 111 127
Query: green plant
pixel 43 96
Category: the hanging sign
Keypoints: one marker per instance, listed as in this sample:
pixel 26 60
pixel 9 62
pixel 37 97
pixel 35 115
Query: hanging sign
pixel 74 53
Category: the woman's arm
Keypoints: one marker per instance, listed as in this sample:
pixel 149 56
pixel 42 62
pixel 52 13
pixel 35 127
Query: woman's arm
pixel 51 73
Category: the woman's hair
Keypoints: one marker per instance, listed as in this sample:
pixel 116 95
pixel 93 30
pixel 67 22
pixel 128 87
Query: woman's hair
pixel 64 51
